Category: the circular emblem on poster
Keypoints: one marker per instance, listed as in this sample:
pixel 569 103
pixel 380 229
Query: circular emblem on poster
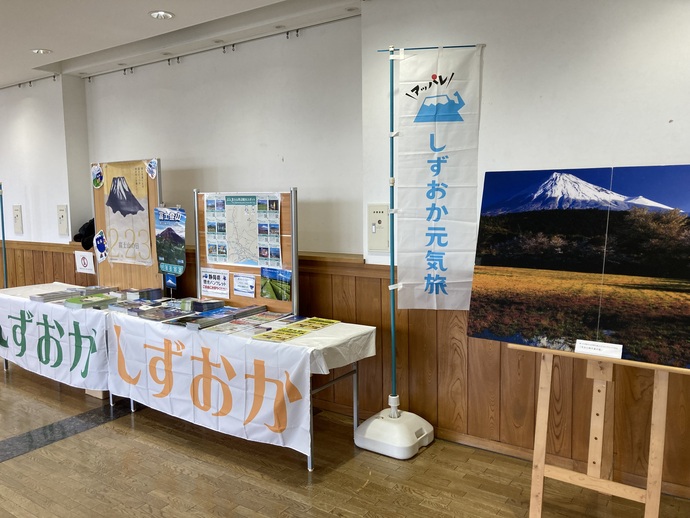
pixel 96 176
pixel 152 168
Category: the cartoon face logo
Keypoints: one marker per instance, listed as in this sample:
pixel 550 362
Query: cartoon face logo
pixel 96 176
pixel 100 243
pixel 152 168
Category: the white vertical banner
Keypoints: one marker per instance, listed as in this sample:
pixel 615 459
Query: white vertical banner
pixel 438 94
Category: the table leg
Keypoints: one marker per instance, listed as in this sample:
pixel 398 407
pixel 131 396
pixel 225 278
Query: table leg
pixel 310 457
pixel 7 365
pixel 355 398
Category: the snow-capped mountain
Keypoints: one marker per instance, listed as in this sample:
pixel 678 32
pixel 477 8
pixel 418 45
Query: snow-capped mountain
pixel 565 191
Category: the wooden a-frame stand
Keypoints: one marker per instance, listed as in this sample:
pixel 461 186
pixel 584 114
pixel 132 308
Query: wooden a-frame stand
pixel 600 457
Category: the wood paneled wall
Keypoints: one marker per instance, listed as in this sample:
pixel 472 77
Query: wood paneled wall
pixel 475 392
pixel 38 263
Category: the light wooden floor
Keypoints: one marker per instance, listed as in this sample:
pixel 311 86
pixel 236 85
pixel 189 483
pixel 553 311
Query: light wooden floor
pixel 149 464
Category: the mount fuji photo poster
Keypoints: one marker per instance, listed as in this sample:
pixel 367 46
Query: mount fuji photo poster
pixel 593 254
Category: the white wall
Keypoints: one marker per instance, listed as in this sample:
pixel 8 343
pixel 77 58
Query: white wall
pixel 565 83
pixel 272 115
pixel 33 164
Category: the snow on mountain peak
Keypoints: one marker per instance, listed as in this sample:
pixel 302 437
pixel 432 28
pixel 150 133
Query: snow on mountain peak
pixel 566 191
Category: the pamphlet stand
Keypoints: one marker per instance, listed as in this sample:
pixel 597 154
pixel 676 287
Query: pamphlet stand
pixel 599 469
pixel 288 249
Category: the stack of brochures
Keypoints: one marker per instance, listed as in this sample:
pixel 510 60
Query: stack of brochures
pixel 93 300
pixel 163 313
pixel 217 316
pixel 54 296
pixel 145 293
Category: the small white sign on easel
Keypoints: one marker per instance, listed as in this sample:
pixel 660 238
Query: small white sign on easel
pixel 84 262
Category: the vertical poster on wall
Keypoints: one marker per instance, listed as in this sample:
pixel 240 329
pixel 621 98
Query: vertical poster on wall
pixel 170 240
pixel 438 105
pixel 243 229
pixel 589 254
pixel 127 214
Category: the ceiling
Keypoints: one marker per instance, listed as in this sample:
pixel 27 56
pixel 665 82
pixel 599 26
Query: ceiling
pixel 91 37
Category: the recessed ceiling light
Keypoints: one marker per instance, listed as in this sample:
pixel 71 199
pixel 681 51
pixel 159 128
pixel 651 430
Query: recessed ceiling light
pixel 41 51
pixel 161 15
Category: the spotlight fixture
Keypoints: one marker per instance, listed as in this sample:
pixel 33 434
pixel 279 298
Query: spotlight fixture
pixel 41 51
pixel 161 15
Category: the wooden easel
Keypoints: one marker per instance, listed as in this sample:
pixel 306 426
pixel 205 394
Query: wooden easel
pixel 600 458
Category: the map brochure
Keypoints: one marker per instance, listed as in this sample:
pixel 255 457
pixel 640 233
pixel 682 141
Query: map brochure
pixel 313 324
pixel 163 314
pixel 282 334
pixel 100 300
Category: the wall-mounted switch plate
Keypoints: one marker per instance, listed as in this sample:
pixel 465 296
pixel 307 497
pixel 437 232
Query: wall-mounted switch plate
pixel 18 221
pixel 377 227
pixel 63 227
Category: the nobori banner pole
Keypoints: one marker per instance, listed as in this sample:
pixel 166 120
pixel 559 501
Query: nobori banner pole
pixel 393 432
pixel 6 363
pixel 295 252
pixel 391 217
pixel 196 247
pixel 4 247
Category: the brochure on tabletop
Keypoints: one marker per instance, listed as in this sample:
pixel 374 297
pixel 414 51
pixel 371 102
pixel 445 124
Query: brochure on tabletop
pixel 99 300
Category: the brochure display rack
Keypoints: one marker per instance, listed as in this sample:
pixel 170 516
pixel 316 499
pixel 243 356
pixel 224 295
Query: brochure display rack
pixel 247 248
pixel 125 195
pixel 600 458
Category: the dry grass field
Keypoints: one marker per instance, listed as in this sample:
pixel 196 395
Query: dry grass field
pixel 649 316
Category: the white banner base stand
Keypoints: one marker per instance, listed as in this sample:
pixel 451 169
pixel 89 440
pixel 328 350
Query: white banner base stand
pixel 394 433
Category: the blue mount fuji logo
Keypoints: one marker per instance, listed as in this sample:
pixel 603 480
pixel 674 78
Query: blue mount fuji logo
pixel 440 108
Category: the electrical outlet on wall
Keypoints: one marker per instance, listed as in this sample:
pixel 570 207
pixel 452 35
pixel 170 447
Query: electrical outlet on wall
pixel 63 227
pixel 17 217
pixel 377 227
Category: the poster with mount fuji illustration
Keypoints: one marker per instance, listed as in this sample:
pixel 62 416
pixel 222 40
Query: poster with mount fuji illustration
pixel 594 254
pixel 127 212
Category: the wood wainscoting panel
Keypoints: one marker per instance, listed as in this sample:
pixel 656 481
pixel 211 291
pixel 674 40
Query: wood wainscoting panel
pixel 452 370
pixel 484 389
pixel 58 261
pixel 517 413
pixel 344 309
pixel 423 364
pixel 633 405
pixel 559 435
pixel 677 457
pixel 371 389
pixel 582 411
pixel 28 258
pixel 402 356
pixel 321 287
pixel 39 263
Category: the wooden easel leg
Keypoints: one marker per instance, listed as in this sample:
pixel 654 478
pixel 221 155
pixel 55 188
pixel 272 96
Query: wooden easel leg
pixel 601 374
pixel 540 429
pixel 657 437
